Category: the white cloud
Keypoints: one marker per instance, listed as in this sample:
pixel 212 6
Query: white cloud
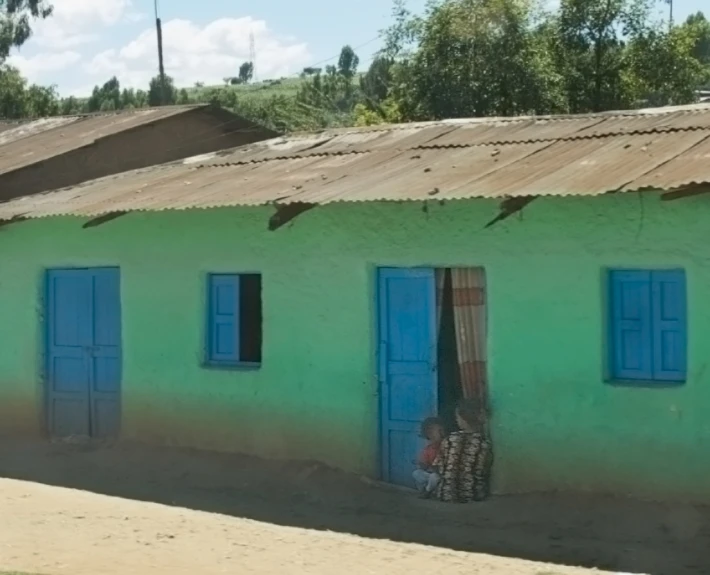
pixel 74 22
pixel 58 51
pixel 206 54
pixel 33 67
pixel 135 16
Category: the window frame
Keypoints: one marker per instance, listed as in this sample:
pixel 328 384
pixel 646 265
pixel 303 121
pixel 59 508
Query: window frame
pixel 208 359
pixel 610 362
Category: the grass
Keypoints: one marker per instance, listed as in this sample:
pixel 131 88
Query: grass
pixel 266 89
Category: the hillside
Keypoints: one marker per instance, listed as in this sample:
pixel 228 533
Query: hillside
pixel 287 87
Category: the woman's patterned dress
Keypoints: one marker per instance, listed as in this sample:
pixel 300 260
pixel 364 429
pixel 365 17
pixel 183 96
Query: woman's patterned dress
pixel 464 464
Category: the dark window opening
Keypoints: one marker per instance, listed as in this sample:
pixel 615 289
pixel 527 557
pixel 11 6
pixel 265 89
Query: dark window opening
pixel 250 314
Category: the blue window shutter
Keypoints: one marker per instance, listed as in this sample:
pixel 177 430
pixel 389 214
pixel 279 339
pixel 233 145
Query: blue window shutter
pixel 669 325
pixel 223 344
pixel 630 324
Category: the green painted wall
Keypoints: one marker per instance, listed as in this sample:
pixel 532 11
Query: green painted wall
pixel 556 424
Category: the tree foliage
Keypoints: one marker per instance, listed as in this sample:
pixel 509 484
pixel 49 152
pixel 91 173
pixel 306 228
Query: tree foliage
pixel 478 58
pixel 507 57
pixel 460 58
pixel 162 93
pixel 246 72
pixel 16 18
pixel 675 73
pixel 348 62
pixel 375 84
pixel 18 99
pixel 329 97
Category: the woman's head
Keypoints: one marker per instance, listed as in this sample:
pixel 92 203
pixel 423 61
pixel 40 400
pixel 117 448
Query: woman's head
pixel 470 415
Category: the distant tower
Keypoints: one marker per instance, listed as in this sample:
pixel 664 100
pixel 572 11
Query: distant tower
pixel 252 54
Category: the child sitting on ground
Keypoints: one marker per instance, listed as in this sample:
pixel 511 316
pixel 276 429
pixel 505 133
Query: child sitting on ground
pixel 425 476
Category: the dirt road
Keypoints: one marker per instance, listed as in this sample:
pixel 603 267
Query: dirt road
pixel 57 531
pixel 179 511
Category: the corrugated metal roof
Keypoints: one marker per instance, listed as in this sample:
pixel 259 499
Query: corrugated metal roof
pixel 483 158
pixel 25 143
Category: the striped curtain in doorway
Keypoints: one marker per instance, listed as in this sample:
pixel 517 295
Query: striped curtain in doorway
pixel 469 296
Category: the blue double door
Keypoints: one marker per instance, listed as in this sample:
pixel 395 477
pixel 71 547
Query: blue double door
pixel 83 341
pixel 407 366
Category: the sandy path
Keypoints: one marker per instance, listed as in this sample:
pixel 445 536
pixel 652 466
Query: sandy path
pixel 55 531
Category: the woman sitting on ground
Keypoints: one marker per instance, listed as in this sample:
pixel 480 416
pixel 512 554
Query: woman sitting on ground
pixel 465 457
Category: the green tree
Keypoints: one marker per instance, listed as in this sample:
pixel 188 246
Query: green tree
pixel 128 99
pixel 474 58
pixel 348 62
pixel 663 69
pixel 16 19
pixel 375 83
pixel 504 57
pixel 183 97
pixel 378 105
pixel 13 100
pixel 141 99
pixel 159 95
pixel 700 29
pixel 223 97
pixel 246 72
pixel 19 100
pixel 70 106
pixel 331 95
pixel 106 97
pixel 402 37
pixel 613 55
pixel 107 106
pixel 589 50
pixel 387 112
pixel 42 101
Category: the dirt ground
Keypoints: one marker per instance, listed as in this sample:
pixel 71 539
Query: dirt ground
pixel 174 511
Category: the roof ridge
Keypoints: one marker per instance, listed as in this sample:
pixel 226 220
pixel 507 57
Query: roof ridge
pixel 700 108
pixel 264 148
pixel 99 114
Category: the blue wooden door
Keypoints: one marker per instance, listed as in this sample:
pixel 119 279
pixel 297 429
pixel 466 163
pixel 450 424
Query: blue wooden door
pixel 83 352
pixel 407 366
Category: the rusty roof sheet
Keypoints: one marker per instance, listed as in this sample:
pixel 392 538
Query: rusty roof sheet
pixel 25 143
pixel 482 158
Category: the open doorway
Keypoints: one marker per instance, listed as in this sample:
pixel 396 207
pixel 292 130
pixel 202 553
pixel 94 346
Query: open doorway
pixel 432 352
pixel 461 339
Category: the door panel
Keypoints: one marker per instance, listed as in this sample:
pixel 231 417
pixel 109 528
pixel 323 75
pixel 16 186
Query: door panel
pixel 69 335
pixel 105 356
pixel 408 380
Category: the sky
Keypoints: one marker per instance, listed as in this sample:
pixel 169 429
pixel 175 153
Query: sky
pixel 86 42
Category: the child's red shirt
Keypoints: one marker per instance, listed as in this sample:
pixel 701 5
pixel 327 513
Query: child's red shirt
pixel 428 455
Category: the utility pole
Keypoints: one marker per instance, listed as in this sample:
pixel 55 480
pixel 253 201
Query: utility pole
pixel 252 55
pixel 161 68
pixel 670 16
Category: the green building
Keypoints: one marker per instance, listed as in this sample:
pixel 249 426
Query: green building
pixel 316 296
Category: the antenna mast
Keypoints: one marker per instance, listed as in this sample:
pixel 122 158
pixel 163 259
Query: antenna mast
pixel 252 55
pixel 161 67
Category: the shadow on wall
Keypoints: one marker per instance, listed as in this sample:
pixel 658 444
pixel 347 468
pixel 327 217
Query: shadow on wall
pixel 603 532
